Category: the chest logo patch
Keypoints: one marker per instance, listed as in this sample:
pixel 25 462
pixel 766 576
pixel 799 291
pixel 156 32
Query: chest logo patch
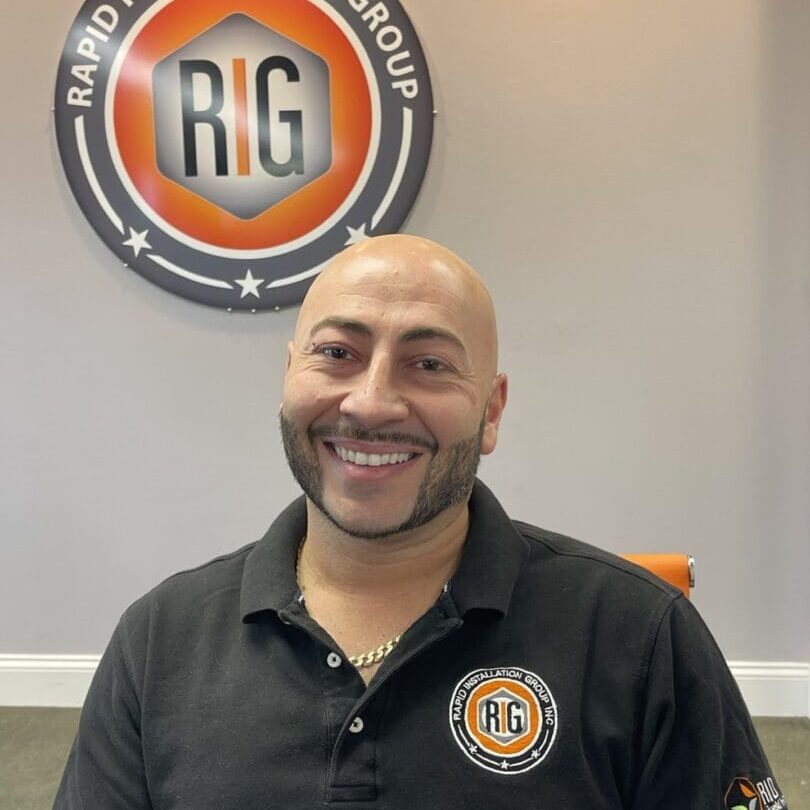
pixel 504 719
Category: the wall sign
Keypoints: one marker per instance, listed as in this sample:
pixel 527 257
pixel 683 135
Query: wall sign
pixel 226 149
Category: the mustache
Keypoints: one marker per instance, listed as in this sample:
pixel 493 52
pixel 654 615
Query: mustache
pixel 361 434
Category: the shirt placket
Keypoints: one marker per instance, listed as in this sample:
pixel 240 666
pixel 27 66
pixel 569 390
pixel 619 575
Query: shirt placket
pixel 354 711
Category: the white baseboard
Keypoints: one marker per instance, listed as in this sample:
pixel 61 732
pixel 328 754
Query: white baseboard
pixel 774 688
pixel 45 680
pixel 770 688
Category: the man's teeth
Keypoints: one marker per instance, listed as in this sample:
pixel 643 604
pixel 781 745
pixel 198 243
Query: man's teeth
pixel 372 459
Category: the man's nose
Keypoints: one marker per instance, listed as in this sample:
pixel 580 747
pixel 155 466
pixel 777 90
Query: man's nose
pixel 375 397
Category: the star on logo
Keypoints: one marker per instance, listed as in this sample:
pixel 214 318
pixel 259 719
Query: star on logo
pixel 356 234
pixel 473 749
pixel 249 284
pixel 504 765
pixel 137 241
pixel 535 754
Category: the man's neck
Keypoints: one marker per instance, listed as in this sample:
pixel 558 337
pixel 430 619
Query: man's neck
pixel 367 592
pixel 382 568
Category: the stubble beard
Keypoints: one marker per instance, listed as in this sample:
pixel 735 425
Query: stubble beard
pixel 449 478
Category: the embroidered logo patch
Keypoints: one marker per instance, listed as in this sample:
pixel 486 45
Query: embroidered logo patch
pixel 743 794
pixel 503 719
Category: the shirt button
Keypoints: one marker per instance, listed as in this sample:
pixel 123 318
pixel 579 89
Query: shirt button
pixel 357 726
pixel 334 660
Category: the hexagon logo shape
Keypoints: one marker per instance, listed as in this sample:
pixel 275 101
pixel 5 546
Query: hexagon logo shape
pixel 242 131
pixel 504 716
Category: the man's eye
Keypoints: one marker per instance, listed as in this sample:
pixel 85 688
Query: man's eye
pixel 334 352
pixel 431 364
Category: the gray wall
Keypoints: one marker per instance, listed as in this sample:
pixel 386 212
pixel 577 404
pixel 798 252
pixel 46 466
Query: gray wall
pixel 632 180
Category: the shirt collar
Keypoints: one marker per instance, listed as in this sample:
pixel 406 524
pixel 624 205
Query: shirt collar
pixel 268 580
pixel 493 556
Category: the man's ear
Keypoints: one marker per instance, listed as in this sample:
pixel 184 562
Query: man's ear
pixel 289 356
pixel 493 413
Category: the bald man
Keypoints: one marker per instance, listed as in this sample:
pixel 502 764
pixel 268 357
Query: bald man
pixel 396 640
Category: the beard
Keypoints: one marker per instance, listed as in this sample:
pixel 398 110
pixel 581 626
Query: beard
pixel 449 478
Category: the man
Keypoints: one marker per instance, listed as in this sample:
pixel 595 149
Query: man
pixel 395 640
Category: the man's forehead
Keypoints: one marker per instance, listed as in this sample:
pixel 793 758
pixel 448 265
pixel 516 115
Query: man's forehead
pixel 395 278
pixel 401 301
pixel 365 291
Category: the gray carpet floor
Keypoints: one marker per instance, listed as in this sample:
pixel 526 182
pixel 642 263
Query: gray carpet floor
pixel 35 742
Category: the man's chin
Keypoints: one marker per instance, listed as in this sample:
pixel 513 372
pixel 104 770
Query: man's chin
pixel 359 522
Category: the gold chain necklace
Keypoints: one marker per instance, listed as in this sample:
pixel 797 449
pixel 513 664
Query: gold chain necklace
pixel 368 659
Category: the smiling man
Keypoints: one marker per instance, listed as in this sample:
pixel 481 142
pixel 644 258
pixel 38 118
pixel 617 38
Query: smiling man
pixel 396 640
pixel 391 391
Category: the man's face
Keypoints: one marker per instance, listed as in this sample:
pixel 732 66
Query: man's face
pixel 391 395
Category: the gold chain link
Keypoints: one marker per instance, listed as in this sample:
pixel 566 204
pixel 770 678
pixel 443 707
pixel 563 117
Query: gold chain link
pixel 374 656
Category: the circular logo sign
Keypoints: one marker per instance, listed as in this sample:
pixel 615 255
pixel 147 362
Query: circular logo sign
pixel 227 149
pixel 504 720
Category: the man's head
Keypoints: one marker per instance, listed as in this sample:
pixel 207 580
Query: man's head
pixel 392 392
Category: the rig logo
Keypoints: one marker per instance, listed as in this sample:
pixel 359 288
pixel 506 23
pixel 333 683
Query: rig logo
pixel 504 719
pixel 743 794
pixel 227 149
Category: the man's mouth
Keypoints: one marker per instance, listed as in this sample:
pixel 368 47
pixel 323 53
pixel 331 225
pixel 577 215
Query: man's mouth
pixel 365 459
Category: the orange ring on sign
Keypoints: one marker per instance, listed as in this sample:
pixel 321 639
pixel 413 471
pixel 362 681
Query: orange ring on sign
pixel 301 212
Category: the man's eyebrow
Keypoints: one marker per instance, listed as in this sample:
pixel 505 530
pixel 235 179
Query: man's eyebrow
pixel 410 336
pixel 341 323
pixel 430 333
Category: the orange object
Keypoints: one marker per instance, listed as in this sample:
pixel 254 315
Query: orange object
pixel 240 102
pixel 676 569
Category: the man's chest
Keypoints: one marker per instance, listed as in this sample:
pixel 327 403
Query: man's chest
pixel 469 715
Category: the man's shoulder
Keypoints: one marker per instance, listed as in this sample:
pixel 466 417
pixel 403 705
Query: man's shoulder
pixel 546 570
pixel 570 589
pixel 562 557
pixel 219 570
pixel 185 593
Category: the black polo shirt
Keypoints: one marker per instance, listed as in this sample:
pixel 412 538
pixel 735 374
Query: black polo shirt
pixel 548 674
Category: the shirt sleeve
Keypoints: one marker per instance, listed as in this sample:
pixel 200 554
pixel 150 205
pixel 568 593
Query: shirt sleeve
pixel 105 768
pixel 698 746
